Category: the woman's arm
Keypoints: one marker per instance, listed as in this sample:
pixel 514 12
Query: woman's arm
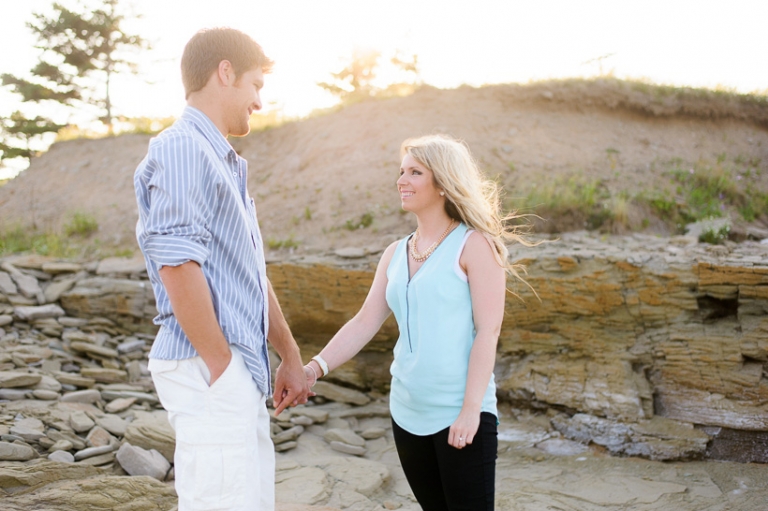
pixel 351 338
pixel 487 287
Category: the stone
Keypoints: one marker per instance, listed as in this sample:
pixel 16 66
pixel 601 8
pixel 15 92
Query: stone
pixel 89 396
pixel 350 252
pixel 62 445
pixel 33 313
pixel 340 394
pixel 347 448
pixel 16 451
pixel 304 485
pixel 54 290
pixel 141 462
pixel 562 447
pixel 318 416
pixel 373 433
pixel 48 383
pixel 656 439
pixel 105 375
pixel 152 431
pixel 90 452
pixel 13 394
pixel 288 435
pixel 109 395
pixel 7 286
pixel 302 420
pixel 346 436
pixel 80 422
pixel 30 429
pixel 129 346
pixel 120 404
pixel 363 476
pixel 67 436
pixel 121 265
pixel 99 437
pixel 286 446
pixel 45 395
pixel 93 349
pixel 9 380
pixel 73 379
pixel 112 423
pixel 100 492
pixel 5 320
pixel 61 456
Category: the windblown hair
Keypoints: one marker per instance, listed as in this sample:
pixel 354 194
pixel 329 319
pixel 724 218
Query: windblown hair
pixel 471 198
pixel 210 46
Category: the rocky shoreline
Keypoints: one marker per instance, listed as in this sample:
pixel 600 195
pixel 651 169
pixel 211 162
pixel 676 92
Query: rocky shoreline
pixel 640 347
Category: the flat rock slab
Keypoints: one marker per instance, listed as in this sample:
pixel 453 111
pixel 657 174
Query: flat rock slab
pixel 9 380
pixel 97 493
pixel 340 394
pixel 16 452
pixel 93 349
pixel 305 485
pixel 121 265
pixel 54 268
pixel 152 431
pixel 141 462
pixel 32 313
pixel 365 476
pixel 104 375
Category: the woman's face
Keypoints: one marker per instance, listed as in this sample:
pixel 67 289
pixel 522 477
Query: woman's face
pixel 417 186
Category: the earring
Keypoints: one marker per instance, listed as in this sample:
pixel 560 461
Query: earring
pixel 442 194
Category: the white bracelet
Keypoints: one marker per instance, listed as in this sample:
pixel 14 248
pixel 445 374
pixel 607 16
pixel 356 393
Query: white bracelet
pixel 313 372
pixel 322 363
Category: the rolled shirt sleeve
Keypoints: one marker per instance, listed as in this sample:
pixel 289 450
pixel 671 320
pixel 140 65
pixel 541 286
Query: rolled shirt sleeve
pixel 181 195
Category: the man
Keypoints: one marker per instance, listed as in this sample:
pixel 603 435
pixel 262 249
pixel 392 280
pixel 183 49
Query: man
pixel 201 241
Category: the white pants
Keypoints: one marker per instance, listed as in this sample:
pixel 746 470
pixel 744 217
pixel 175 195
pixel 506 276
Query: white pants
pixel 225 459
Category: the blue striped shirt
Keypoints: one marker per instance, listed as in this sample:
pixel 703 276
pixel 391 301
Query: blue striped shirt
pixel 194 206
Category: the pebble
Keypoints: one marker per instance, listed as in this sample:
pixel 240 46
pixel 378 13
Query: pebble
pixel 62 445
pixel 302 420
pixel 131 345
pixel 141 462
pixel 120 404
pixel 90 452
pixel 16 451
pixel 347 448
pixel 113 423
pixel 89 396
pixel 45 395
pixel 13 394
pixel 288 435
pixel 346 436
pixel 286 446
pixel 99 437
pixel 62 456
pixel 340 394
pixel 80 422
pixel 373 433
pixel 9 380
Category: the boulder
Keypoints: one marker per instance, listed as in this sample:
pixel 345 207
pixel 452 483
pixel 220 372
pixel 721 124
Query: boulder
pixel 152 431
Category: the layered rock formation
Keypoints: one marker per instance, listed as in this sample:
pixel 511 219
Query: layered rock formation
pixel 623 329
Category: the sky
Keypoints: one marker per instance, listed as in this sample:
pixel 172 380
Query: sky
pixel 702 43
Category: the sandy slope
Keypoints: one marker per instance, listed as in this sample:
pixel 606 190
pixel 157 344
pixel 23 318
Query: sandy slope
pixel 314 178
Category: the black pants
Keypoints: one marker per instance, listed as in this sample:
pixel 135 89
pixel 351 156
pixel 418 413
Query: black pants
pixel 444 478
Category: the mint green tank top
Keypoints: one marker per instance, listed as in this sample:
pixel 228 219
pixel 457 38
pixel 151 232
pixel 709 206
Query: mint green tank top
pixel 434 314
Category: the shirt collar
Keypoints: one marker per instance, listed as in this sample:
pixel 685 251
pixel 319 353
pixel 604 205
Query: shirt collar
pixel 209 130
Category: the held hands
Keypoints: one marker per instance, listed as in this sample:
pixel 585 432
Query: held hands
pixel 463 430
pixel 291 386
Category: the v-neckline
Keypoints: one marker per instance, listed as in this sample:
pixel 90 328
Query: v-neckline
pixel 408 257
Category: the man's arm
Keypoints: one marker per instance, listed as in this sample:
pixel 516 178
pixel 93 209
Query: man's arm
pixel 193 307
pixel 291 385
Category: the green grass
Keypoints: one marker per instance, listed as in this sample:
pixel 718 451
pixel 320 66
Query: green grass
pixel 276 244
pixel 81 224
pixel 365 220
pixel 20 240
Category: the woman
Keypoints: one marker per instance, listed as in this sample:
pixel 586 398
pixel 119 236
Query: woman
pixel 446 285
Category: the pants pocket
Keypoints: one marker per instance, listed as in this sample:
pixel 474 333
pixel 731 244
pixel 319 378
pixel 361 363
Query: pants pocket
pixel 211 463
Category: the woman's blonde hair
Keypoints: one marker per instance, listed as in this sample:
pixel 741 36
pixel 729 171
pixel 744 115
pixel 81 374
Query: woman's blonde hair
pixel 471 198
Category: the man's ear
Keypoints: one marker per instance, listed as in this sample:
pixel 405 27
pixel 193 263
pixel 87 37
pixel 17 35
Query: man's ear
pixel 225 73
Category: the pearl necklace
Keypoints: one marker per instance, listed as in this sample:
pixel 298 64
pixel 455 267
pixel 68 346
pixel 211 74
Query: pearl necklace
pixel 423 256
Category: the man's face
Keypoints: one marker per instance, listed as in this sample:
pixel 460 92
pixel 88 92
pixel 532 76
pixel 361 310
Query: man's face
pixel 243 99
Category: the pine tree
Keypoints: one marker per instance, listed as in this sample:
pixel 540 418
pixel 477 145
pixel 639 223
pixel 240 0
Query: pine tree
pixel 82 51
